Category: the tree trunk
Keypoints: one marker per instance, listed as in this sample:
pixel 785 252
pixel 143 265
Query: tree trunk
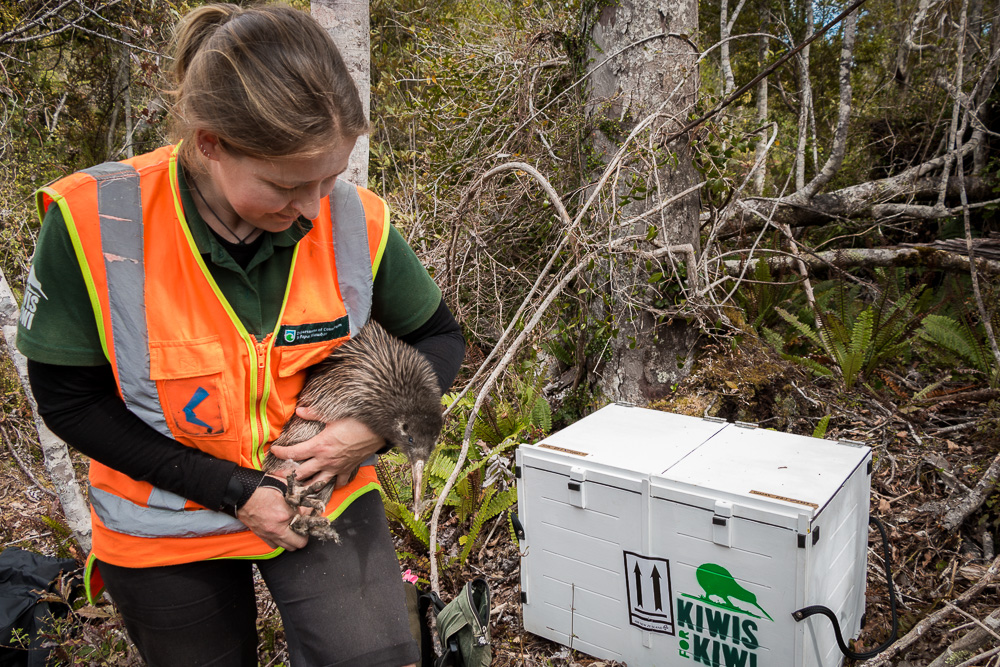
pixel 347 23
pixel 630 81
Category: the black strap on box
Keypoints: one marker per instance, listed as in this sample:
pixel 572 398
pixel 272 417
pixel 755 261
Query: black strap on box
pixel 806 612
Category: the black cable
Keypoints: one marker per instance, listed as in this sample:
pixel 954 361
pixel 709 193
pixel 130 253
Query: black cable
pixel 806 612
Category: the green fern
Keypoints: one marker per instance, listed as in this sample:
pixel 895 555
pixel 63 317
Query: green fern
pixel 402 513
pixel 493 503
pixel 856 341
pixel 820 431
pixel 502 425
pixel 958 338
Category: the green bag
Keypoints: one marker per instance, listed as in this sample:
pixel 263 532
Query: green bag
pixel 463 626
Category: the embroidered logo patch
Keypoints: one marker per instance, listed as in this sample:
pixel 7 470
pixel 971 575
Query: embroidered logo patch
pixel 313 332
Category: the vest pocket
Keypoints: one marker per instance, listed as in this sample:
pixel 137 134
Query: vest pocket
pixel 189 377
pixel 291 360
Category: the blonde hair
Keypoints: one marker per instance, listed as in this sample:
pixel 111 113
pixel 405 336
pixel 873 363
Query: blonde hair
pixel 267 80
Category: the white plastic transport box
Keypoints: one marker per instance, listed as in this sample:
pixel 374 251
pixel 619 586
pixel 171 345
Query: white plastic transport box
pixel 657 539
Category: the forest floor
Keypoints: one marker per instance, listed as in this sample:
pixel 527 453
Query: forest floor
pixel 928 452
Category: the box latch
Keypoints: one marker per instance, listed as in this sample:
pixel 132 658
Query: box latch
pixel 577 487
pixel 722 523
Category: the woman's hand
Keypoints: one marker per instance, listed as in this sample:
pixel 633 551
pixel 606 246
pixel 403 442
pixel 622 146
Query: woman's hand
pixel 268 515
pixel 336 451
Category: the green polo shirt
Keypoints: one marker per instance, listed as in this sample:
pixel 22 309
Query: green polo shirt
pixel 62 328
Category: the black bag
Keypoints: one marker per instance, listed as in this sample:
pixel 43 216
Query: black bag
pixel 22 576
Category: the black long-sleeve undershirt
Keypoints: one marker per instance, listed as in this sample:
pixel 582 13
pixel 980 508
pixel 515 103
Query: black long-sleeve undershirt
pixel 82 406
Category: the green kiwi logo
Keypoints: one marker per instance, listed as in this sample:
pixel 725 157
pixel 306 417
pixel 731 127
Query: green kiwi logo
pixel 721 588
pixel 709 628
pixel 289 335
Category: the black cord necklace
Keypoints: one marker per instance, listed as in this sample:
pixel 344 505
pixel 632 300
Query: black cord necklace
pixel 239 241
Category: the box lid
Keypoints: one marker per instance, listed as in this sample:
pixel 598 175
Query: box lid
pixel 791 474
pixel 637 442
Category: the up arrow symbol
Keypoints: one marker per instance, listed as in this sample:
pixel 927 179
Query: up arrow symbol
pixel 657 599
pixel 638 585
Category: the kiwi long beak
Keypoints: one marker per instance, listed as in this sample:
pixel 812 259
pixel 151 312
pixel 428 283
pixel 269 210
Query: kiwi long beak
pixel 417 467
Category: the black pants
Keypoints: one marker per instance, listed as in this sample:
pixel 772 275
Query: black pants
pixel 341 604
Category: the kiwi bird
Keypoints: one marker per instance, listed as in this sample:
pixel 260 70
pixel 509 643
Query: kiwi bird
pixel 383 383
pixel 718 582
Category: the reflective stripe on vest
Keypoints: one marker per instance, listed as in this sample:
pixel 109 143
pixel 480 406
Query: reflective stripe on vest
pixel 354 277
pixel 120 211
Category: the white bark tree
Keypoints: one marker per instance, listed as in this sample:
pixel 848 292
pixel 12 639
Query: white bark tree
pixel 642 65
pixel 347 23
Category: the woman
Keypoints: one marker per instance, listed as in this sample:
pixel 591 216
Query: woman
pixel 179 300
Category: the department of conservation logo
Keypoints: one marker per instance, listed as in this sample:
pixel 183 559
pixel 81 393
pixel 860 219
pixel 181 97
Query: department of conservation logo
pixel 290 335
pixel 32 294
pixel 710 628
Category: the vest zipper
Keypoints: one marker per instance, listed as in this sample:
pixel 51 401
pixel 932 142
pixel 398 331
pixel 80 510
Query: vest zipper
pixel 258 406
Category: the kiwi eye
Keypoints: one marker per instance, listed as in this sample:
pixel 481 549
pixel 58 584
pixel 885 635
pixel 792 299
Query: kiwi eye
pixel 410 438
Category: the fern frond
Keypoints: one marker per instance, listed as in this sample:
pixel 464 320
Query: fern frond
pixel 492 505
pixel 416 527
pixel 954 337
pixel 801 327
pixel 820 430
pixel 773 338
pixel 811 364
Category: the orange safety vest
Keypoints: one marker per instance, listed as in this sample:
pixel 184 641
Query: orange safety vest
pixel 185 363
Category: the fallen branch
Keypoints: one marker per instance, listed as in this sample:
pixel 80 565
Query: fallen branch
pixel 57 460
pixel 929 258
pixel 925 624
pixel 858 200
pixel 970 641
pixel 960 509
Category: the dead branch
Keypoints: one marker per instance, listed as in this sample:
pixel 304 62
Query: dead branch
pixel 960 172
pixel 926 623
pixel 929 258
pixel 971 641
pixel 856 200
pixel 958 510
pixel 899 212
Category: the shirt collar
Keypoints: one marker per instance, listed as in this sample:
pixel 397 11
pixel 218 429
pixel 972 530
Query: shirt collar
pixel 208 244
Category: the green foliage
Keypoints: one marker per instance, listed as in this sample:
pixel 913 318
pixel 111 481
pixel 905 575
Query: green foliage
pixel 483 489
pixel 820 430
pixel 964 340
pixel 853 339
pixel 762 294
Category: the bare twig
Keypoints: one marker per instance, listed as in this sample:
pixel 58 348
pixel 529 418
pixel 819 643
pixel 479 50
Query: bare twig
pixel 27 471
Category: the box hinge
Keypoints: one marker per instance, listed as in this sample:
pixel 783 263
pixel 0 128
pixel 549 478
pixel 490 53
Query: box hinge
pixel 717 420
pixel 750 425
pixel 625 404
